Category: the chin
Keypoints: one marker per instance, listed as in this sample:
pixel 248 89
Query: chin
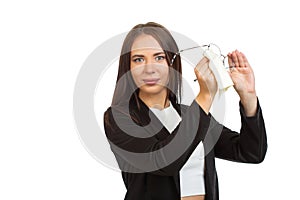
pixel 152 89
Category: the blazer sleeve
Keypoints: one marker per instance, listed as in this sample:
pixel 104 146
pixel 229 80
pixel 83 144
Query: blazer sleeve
pixel 248 146
pixel 159 154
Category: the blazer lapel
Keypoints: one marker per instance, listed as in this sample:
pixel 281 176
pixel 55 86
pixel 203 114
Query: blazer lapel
pixel 144 116
pixel 181 110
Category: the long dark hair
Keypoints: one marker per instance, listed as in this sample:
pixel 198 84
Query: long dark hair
pixel 125 86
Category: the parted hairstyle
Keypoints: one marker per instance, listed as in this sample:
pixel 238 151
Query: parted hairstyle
pixel 125 86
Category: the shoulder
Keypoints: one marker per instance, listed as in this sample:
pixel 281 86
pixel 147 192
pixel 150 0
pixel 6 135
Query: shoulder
pixel 107 113
pixel 107 117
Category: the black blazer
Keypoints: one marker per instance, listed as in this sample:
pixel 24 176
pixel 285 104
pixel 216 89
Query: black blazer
pixel 156 176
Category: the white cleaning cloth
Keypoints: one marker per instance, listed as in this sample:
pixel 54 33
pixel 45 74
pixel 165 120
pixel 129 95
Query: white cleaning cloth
pixel 216 65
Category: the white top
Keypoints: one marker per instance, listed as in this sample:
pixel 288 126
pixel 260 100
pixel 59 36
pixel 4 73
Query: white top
pixel 192 173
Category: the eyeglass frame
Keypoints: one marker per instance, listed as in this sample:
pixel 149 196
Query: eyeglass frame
pixel 200 46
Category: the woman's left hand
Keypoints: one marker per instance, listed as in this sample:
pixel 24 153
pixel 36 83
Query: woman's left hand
pixel 243 78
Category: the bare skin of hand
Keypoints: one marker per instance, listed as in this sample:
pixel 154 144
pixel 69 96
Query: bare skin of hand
pixel 243 78
pixel 207 83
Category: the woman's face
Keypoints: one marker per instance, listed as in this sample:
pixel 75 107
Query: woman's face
pixel 149 66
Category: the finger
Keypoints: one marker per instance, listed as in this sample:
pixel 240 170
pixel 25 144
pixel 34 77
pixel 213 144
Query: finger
pixel 202 65
pixel 235 59
pixel 202 61
pixel 245 60
pixel 202 71
pixel 206 70
pixel 233 69
pixel 199 74
pixel 211 76
pixel 240 59
pixel 230 61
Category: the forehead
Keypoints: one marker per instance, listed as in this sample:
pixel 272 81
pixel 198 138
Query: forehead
pixel 145 42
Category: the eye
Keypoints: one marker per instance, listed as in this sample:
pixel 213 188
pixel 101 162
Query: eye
pixel 159 58
pixel 138 60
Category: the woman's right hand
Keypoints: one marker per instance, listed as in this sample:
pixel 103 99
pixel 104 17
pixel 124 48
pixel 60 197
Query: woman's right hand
pixel 208 84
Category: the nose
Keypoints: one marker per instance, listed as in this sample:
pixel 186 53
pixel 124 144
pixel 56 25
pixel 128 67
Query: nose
pixel 149 68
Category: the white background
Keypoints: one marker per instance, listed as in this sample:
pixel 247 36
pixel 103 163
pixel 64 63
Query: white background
pixel 44 44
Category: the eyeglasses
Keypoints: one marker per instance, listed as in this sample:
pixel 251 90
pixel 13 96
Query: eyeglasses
pixel 215 48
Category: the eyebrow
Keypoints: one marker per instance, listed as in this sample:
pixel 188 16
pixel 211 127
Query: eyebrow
pixel 140 55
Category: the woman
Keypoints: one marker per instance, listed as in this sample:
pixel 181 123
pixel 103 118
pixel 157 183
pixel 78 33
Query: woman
pixel 157 141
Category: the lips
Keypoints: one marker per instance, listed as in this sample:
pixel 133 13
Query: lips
pixel 151 81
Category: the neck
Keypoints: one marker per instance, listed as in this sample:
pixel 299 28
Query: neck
pixel 158 101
